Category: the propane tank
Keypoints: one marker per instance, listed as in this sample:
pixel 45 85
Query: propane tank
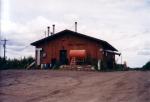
pixel 77 53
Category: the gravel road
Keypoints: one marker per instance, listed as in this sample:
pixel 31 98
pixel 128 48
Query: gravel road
pixel 74 86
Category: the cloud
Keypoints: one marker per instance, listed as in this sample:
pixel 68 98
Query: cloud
pixel 123 23
pixel 144 52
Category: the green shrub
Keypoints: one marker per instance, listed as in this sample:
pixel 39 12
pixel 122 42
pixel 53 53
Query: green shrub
pixel 146 66
pixel 15 63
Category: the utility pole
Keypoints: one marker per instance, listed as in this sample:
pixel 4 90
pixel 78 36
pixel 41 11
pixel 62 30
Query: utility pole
pixel 4 46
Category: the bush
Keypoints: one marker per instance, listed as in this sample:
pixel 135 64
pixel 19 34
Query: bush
pixel 146 66
pixel 15 63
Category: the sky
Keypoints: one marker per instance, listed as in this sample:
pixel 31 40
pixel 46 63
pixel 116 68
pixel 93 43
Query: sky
pixel 125 24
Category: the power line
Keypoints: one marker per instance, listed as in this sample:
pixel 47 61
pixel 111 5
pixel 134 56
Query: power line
pixel 4 46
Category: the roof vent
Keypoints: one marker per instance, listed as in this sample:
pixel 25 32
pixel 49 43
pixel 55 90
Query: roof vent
pixel 75 26
pixel 48 30
pixel 53 28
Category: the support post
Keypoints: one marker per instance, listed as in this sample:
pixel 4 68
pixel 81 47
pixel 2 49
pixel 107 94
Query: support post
pixel 38 56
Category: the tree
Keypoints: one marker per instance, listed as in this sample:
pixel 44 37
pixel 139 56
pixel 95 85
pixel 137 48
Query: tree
pixel 15 63
pixel 146 66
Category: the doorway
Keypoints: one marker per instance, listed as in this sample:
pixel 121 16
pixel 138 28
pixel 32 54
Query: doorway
pixel 63 57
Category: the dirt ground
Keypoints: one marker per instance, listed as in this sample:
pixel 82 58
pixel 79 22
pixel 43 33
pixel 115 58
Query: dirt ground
pixel 74 86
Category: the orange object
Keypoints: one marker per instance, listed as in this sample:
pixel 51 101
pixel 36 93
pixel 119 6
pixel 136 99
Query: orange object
pixel 77 53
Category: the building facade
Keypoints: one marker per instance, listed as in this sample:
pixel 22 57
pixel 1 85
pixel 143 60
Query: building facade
pixel 58 47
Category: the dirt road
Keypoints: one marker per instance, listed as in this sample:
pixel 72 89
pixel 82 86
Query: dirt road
pixel 74 86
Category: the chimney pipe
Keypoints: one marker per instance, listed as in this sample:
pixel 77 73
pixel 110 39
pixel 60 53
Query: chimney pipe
pixel 75 26
pixel 48 30
pixel 53 28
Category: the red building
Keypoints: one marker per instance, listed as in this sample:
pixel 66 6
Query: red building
pixel 65 45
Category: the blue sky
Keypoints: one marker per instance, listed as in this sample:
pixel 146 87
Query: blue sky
pixel 123 23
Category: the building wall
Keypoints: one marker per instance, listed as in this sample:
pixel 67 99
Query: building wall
pixel 68 42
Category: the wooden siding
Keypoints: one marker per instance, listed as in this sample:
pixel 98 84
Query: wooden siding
pixel 68 42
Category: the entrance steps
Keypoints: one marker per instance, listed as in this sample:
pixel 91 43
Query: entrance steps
pixel 77 67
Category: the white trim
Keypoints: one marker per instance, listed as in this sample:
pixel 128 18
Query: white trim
pixel 113 52
pixel 38 56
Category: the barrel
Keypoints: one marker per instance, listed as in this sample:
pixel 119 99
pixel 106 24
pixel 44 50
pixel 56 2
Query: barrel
pixel 77 53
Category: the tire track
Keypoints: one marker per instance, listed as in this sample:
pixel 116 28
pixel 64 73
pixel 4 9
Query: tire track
pixel 56 92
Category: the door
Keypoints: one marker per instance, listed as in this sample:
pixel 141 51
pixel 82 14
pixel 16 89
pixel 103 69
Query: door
pixel 63 57
pixel 109 60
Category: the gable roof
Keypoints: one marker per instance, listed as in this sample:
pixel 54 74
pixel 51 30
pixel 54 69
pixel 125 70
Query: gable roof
pixel 105 44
